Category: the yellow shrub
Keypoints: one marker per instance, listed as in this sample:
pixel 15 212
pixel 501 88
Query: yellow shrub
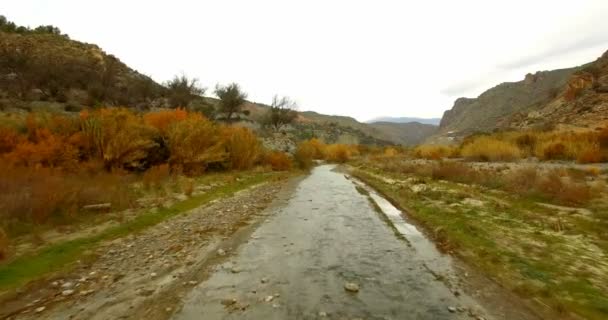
pixel 338 153
pixel 390 152
pixel 195 143
pixel 304 154
pixel 490 149
pixel 433 152
pixel 319 148
pixel 242 146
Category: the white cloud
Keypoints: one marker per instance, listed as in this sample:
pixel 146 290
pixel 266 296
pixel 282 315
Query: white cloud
pixel 357 58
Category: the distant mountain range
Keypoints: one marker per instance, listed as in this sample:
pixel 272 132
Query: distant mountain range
pixel 433 121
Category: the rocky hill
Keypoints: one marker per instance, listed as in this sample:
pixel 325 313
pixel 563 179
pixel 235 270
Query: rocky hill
pixel 582 102
pixel 44 67
pixel 569 97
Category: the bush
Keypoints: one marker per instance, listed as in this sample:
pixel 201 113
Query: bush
pixel 279 161
pixel 156 176
pixel 162 120
pixel 304 155
pixel 47 195
pixel 590 156
pixel 242 146
pixel 490 149
pixel 337 153
pixel 453 171
pixel 194 143
pixel 554 151
pixel 433 152
pixel 319 148
pixel 4 244
pixel 9 139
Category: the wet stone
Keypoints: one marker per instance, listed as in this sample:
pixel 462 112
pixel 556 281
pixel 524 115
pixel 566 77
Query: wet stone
pixel 351 287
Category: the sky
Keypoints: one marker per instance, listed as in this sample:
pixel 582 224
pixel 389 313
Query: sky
pixel 363 59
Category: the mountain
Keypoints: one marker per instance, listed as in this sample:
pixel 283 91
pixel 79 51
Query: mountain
pixel 433 121
pixel 568 97
pixel 408 134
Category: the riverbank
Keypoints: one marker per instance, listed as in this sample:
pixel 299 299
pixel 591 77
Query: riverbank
pixel 551 255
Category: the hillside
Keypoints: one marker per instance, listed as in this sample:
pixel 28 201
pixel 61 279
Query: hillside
pixel 433 121
pixel 408 134
pixel 581 102
pixel 44 67
pixel 487 111
pixel 573 97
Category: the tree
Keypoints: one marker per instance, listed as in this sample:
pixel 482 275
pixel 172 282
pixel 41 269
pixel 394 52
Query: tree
pixel 182 90
pixel 282 112
pixel 231 100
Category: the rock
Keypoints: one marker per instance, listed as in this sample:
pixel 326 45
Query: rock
pixel 451 309
pixel 417 188
pixel 153 275
pixel 322 314
pixel 269 298
pixel 40 309
pixel 146 292
pixel 221 252
pixel 192 283
pixel 472 202
pixel 97 207
pixel 228 302
pixel 168 309
pixel 68 292
pixel 264 280
pixel 86 292
pixel 351 287
pixel 235 270
pixel 67 285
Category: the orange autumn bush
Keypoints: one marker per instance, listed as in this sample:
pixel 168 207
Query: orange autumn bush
pixel 195 143
pixel 162 120
pixel 278 161
pixel 242 147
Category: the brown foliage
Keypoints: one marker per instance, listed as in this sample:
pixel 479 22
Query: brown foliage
pixel 242 146
pixel 162 120
pixel 43 195
pixel 554 151
pixel 156 176
pixel 279 161
pixel 4 244
pixel 338 153
pixel 304 155
pixel 9 139
pixel 194 143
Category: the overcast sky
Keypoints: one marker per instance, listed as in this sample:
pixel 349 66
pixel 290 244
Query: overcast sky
pixel 358 58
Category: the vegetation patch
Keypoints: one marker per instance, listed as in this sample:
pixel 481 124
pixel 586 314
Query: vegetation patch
pixel 557 257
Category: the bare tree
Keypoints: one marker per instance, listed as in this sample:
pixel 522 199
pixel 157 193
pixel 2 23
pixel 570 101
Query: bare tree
pixel 282 112
pixel 182 90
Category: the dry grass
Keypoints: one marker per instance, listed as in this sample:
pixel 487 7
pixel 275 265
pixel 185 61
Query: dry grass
pixel 490 149
pixel 51 196
pixel 339 153
pixel 156 176
pixel 434 152
pixel 278 161
pixel 4 245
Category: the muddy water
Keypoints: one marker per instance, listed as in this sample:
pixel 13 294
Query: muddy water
pixel 296 263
